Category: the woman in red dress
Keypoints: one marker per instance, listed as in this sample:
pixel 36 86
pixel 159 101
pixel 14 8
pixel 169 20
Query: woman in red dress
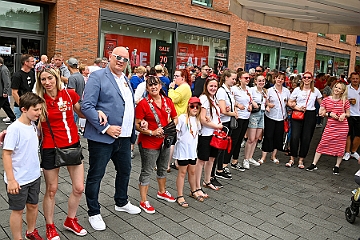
pixel 337 108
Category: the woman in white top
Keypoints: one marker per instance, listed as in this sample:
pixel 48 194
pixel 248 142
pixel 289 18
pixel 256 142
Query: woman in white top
pixel 303 99
pixel 210 120
pixel 227 110
pixel 256 121
pixel 243 106
pixel 274 119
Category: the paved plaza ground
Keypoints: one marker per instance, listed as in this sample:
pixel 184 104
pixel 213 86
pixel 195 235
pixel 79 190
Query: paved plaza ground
pixel 266 202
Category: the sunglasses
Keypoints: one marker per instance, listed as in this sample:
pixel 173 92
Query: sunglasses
pixel 194 106
pixel 306 77
pixel 247 78
pixel 152 84
pixel 120 58
pixel 258 70
pixel 207 69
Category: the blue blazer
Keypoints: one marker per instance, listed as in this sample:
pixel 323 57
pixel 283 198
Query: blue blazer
pixel 102 93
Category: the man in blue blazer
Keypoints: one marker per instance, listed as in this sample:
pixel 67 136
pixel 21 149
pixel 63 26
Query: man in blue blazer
pixel 110 91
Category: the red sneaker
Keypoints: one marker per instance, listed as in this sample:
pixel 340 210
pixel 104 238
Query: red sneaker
pixel 51 233
pixel 72 224
pixel 147 207
pixel 34 235
pixel 166 196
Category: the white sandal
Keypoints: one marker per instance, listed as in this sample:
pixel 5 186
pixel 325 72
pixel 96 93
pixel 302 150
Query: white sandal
pixel 276 161
pixel 261 161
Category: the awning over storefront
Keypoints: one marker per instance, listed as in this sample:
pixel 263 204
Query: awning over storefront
pixel 320 16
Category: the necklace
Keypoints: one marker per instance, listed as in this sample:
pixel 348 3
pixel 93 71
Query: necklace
pixel 189 127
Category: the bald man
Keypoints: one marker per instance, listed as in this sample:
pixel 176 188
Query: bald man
pixel 109 90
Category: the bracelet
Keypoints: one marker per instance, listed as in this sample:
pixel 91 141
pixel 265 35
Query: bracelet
pixel 150 133
pixel 329 114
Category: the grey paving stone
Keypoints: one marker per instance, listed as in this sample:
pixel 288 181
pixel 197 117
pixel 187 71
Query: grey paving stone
pixel 296 221
pixel 321 222
pixel 250 230
pixel 198 228
pixel 170 226
pixel 224 229
pixel 162 235
pixel 278 232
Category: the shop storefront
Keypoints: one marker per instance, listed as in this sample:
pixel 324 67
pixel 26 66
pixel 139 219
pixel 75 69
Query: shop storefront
pixel 275 55
pixel 152 41
pixel 22 31
pixel 357 61
pixel 331 63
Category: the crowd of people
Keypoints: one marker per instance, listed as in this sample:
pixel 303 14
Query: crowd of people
pixel 169 118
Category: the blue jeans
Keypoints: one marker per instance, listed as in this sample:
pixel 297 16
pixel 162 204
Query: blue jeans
pixel 99 156
pixel 17 112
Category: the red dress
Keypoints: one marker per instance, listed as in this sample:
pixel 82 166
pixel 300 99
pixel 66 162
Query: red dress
pixel 333 140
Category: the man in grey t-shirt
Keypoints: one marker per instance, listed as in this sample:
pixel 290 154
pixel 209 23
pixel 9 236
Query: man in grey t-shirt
pixel 76 80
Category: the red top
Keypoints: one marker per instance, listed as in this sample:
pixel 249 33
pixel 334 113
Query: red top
pixel 61 117
pixel 143 111
pixel 320 84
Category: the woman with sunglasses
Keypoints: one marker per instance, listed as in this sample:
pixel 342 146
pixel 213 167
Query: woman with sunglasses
pixel 227 110
pixel 156 109
pixel 210 120
pixel 303 99
pixel 275 114
pixel 243 106
pixel 180 97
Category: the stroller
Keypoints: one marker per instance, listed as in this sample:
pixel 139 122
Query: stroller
pixel 353 211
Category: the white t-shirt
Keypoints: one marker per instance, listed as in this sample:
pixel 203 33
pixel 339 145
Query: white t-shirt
pixel 276 113
pixel 93 68
pixel 23 140
pixel 222 94
pixel 258 97
pixel 353 93
pixel 242 97
pixel 205 105
pixel 302 95
pixel 187 138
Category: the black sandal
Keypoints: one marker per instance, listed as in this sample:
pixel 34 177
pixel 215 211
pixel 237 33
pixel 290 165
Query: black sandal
pixel 204 194
pixel 197 198
pixel 183 204
pixel 211 186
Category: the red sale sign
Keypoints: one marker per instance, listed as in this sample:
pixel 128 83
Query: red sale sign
pixel 139 48
pixel 191 54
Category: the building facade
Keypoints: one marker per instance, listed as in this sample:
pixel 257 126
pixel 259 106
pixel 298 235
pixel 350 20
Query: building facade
pixel 173 33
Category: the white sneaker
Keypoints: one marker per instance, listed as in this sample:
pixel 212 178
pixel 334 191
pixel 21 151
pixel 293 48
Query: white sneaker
pixel 7 119
pixel 346 156
pixel 259 145
pixel 97 222
pixel 253 162
pixel 132 154
pixel 246 164
pixel 355 155
pixel 129 208
pixel 243 143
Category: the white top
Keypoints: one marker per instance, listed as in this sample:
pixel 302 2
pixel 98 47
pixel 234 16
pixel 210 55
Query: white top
pixel 242 97
pixel 129 113
pixel 223 93
pixel 353 93
pixel 205 105
pixel 301 96
pixel 276 113
pixel 187 138
pixel 93 68
pixel 139 92
pixel 258 97
pixel 23 140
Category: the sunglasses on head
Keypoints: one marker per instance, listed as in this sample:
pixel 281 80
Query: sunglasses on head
pixel 192 106
pixel 120 58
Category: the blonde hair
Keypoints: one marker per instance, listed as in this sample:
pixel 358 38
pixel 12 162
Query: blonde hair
pixel 40 90
pixel 344 95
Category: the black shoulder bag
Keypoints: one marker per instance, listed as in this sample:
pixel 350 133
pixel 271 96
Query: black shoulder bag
pixel 233 121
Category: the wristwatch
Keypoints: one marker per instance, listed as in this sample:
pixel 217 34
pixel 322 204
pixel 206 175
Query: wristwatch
pixel 328 114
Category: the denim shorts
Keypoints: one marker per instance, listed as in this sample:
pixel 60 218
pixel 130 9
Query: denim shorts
pixel 29 193
pixel 151 158
pixel 256 120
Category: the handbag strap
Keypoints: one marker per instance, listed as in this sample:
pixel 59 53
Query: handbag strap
pixel 307 99
pixel 51 132
pixel 157 119
pixel 231 106
pixel 282 111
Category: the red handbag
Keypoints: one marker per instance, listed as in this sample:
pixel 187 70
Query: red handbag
pixel 221 140
pixel 297 115
pixel 286 125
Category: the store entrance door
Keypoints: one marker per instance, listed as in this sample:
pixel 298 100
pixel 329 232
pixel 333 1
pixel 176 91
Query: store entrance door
pixel 13 45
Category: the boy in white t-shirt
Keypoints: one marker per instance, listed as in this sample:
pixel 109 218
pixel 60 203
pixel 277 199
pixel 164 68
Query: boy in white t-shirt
pixel 22 166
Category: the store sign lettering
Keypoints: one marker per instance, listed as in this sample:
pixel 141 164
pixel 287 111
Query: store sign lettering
pixel 143 58
pixel 164 49
pixel 196 62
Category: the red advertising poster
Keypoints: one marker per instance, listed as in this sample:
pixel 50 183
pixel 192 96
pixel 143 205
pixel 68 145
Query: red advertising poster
pixel 139 48
pixel 191 54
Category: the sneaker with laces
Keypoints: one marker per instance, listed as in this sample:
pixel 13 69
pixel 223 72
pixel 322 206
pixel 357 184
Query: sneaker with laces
pixel 246 164
pixel 6 119
pixel 97 222
pixel 166 196
pixel 237 166
pixel 51 233
pixel 132 154
pixel 346 156
pixel 355 155
pixel 227 171
pixel 253 162
pixel 72 224
pixel 147 207
pixel 216 183
pixel 222 175
pixel 34 235
pixel 336 170
pixel 311 168
pixel 129 208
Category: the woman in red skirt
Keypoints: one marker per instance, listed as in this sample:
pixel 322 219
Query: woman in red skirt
pixel 337 108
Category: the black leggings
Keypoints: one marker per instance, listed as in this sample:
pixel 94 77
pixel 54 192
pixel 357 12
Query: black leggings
pixel 301 133
pixel 273 135
pixel 237 136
